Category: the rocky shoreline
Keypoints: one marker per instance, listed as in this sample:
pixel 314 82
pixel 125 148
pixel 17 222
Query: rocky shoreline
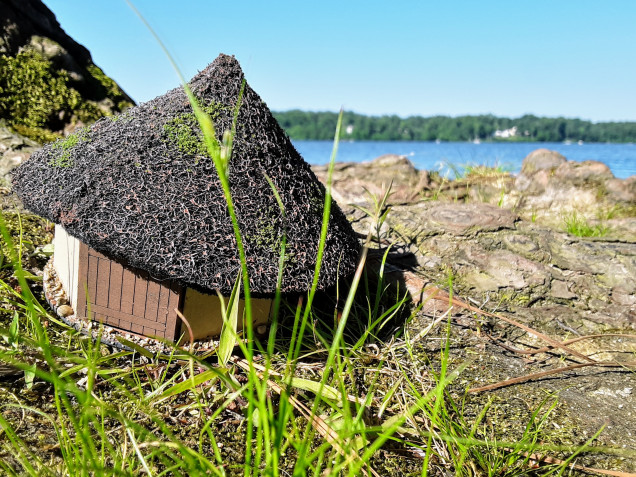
pixel 504 240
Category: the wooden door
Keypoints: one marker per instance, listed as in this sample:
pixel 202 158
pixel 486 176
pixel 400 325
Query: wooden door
pixel 126 298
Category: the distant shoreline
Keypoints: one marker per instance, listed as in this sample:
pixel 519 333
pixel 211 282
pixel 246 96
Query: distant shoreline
pixel 308 125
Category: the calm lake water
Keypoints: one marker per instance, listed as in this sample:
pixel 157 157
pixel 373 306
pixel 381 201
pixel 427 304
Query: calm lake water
pixel 621 158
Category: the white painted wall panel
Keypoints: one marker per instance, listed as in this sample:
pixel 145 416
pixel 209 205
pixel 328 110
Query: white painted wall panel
pixel 203 312
pixel 66 262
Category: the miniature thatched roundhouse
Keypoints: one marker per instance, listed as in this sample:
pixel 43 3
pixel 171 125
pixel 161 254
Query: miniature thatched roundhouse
pixel 142 223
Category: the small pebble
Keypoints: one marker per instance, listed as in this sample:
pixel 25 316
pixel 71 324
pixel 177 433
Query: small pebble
pixel 64 311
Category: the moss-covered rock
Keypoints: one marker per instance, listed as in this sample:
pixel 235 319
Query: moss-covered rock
pixel 48 82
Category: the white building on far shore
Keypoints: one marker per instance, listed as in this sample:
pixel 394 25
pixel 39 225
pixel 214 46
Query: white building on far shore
pixel 506 133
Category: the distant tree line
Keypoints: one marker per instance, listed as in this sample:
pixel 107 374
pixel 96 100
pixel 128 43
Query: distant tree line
pixel 322 125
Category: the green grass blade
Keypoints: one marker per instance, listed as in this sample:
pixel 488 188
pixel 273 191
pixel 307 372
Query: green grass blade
pixel 229 335
pixel 189 384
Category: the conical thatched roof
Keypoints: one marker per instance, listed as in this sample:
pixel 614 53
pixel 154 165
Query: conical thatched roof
pixel 140 188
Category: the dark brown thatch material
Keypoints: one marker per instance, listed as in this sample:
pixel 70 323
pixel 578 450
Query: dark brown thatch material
pixel 140 188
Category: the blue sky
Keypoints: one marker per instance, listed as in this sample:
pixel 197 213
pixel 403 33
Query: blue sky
pixel 572 58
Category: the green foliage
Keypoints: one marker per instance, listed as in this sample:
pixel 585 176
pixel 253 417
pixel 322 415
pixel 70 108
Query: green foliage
pixel 34 234
pixel 65 145
pixel 617 211
pixel 36 99
pixel 482 170
pixel 113 90
pixel 320 125
pixel 230 315
pixel 184 131
pixel 40 135
pixel 32 93
pixel 576 224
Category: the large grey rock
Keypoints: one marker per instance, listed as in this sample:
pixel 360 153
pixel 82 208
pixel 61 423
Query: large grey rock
pixel 580 173
pixel 552 190
pixel 540 160
pixel 353 182
pixel 14 149
pixel 621 190
pixel 468 219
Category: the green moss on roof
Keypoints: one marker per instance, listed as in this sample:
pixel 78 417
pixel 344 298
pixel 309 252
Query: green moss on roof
pixel 66 145
pixel 185 133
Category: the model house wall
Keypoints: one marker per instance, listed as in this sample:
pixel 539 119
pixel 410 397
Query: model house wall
pixel 109 292
pixel 66 262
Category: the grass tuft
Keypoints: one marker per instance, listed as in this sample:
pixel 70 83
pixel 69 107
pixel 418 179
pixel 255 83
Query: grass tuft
pixel 576 224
